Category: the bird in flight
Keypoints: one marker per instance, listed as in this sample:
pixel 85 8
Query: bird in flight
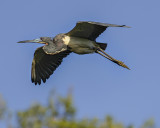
pixel 81 40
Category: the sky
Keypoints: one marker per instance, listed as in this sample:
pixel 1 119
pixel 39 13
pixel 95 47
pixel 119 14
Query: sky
pixel 100 87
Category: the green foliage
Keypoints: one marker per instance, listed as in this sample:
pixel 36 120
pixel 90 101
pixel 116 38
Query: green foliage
pixel 149 124
pixel 3 107
pixel 60 113
pixel 57 114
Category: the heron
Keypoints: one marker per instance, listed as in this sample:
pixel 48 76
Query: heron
pixel 80 40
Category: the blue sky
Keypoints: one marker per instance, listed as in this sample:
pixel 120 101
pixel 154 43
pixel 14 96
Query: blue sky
pixel 100 87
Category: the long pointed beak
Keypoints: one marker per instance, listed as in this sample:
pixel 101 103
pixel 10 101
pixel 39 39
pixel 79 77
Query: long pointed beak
pixel 32 41
pixel 120 63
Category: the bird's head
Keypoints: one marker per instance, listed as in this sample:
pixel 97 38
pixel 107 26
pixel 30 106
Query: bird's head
pixel 41 40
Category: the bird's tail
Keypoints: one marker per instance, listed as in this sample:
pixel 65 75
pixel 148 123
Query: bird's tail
pixel 102 45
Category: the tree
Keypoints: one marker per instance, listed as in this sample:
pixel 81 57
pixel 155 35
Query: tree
pixel 149 124
pixel 3 107
pixel 60 113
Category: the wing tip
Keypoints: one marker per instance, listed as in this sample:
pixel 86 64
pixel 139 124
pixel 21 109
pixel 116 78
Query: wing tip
pixel 36 82
pixel 92 22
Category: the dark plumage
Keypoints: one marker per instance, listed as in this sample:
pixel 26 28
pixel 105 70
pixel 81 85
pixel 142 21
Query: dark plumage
pixel 81 40
pixel 43 65
pixel 90 30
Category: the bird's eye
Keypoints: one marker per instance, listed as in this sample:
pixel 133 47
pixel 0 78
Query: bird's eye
pixel 41 38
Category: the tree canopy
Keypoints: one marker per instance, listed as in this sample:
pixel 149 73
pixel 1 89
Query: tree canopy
pixel 59 112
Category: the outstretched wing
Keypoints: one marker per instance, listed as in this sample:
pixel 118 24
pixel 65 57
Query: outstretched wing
pixel 90 30
pixel 43 65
